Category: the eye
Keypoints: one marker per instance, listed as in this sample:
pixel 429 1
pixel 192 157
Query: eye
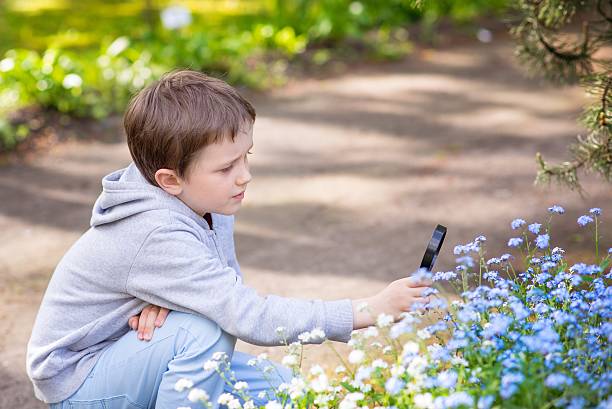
pixel 225 170
pixel 249 152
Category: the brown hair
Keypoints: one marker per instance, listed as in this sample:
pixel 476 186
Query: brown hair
pixel 169 121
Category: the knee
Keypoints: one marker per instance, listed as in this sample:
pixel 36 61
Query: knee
pixel 199 332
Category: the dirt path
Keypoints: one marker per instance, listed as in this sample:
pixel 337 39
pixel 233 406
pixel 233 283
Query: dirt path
pixel 351 175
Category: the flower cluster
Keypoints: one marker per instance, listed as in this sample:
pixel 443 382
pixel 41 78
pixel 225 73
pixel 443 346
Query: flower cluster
pixel 530 336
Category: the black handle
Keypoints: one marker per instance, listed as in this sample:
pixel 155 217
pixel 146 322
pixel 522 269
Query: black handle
pixel 433 248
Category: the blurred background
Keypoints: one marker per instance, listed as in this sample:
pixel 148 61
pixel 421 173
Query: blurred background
pixel 376 121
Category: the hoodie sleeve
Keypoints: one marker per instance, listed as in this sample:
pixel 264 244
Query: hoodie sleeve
pixel 174 269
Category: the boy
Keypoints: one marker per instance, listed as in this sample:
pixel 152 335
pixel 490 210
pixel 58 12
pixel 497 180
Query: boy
pixel 162 233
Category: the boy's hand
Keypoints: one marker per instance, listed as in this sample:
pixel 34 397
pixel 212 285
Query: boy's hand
pixel 151 316
pixel 395 299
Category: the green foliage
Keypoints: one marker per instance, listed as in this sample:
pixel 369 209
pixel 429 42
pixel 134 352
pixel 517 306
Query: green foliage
pixel 87 59
pixel 560 40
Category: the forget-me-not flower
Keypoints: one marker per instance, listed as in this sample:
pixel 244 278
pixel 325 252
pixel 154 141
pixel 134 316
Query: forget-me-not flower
pixel 542 241
pixel 584 220
pixel 556 209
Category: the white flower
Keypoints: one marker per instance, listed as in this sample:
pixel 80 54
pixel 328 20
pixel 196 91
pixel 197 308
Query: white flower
pixel 340 369
pixel 384 320
pixel 362 306
pixel 234 404
pixel 317 335
pixel 225 398
pixel 249 405
pixel 356 356
pixel 370 332
pixel 182 384
pixel 273 405
pixel 211 365
pixel 219 356
pixel 321 400
pixel 423 401
pixel 281 330
pixel 72 81
pixel 261 395
pixel 410 348
pixel 397 370
pixel 417 366
pixel 283 387
pixel 316 370
pixel 262 357
pixel 304 337
pixel 379 363
pixel 424 334
pixel 320 383
pixel 198 395
pixel 290 360
pixel 296 389
pixel 174 17
pixel 241 385
pixel 252 362
pixel 387 350
pixel 349 401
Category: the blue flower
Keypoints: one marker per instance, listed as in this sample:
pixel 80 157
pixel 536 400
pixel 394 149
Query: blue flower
pixel 577 402
pixel 447 379
pixel 490 275
pixel 534 228
pixel 394 385
pixel 558 381
pixel 542 241
pixel 466 260
pixel 584 220
pixel 596 211
pixel 556 209
pixel 584 269
pixel 485 402
pixel 493 260
pixel 516 223
pixel 454 400
pixel 515 242
pixel 498 325
pixel 509 384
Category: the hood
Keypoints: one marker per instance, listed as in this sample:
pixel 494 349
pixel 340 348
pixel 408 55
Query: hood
pixel 126 192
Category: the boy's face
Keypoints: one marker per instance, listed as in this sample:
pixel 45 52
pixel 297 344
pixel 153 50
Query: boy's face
pixel 217 178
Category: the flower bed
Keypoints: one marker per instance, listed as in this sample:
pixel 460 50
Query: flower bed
pixel 537 337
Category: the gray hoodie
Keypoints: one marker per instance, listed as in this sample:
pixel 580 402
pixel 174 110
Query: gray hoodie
pixel 147 247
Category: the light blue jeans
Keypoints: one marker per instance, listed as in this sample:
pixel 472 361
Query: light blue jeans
pixel 135 374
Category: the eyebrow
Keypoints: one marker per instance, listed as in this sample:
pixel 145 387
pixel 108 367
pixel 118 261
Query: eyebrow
pixel 234 160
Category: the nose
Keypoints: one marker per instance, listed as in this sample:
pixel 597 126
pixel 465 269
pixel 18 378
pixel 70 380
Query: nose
pixel 245 176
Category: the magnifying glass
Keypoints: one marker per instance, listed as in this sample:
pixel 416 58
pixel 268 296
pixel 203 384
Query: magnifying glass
pixel 433 248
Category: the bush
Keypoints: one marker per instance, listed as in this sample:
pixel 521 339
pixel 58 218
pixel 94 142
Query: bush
pixel 532 338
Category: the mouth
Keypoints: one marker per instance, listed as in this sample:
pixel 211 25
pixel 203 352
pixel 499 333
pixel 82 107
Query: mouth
pixel 239 195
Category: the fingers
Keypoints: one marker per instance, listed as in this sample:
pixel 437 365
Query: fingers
pixel 416 282
pixel 142 321
pixel 420 282
pixel 161 317
pixel 150 324
pixel 133 322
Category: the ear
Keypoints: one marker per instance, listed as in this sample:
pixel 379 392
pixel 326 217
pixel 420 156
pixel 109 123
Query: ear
pixel 168 180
